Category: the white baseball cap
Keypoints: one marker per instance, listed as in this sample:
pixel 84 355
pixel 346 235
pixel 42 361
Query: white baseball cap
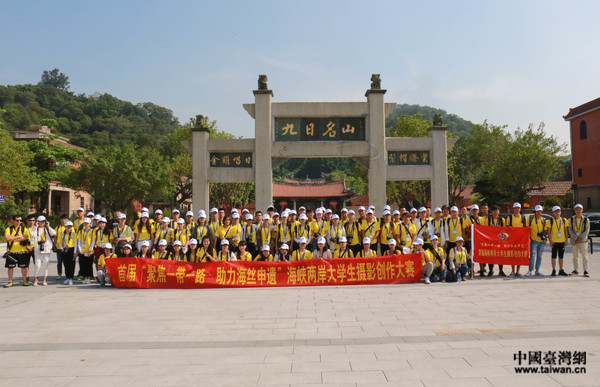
pixel 121 216
pixel 474 207
pixel 459 239
pixel 87 220
pixel 578 206
pixel 80 209
pixel 437 209
pixel 266 247
pixel 335 216
pixel 178 243
pixel 266 217
pixel 224 242
pixel 180 221
pixel 249 217
pixel 245 210
pixel 166 219
pixel 201 214
pixel 275 214
pixel 386 212
pixel 344 210
pixel 366 240
pixel 127 246
pixel 321 240
pixel 302 216
pixel 102 219
pixel 214 209
pixel 328 211
pixel 145 215
pixel 434 237
pixel 146 243
pixel 96 217
pixel 235 215
pixel 68 223
pixel 284 246
pixel 159 211
pixel 175 210
pixel 189 213
pixel 162 242
pixel 453 208
pixel 392 242
pixel 193 241
pixel 90 214
pixel 318 211
pixel 370 211
pixel 302 240
pixel 145 209
pixel 539 208
pixel 422 209
pixel 107 245
pixel 555 208
pixel 361 208
pixel 41 218
pixel 413 210
pixel 396 212
pixel 387 207
pixel 342 239
pixel 419 241
pixel 517 205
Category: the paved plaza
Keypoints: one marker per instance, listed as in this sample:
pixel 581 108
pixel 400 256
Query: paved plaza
pixel 443 334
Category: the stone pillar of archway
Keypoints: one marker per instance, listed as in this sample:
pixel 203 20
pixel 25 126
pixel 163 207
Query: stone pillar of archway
pixel 200 156
pixel 439 163
pixel 263 168
pixel 377 148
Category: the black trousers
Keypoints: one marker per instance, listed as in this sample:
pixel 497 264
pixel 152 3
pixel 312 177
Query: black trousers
pixel 86 265
pixel 68 259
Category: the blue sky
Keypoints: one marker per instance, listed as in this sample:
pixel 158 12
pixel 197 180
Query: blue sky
pixel 510 62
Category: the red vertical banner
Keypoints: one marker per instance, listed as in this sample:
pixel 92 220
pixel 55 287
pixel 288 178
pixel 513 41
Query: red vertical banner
pixel 501 245
pixel 155 273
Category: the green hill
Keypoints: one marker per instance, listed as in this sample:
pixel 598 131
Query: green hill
pixel 88 121
pixel 458 126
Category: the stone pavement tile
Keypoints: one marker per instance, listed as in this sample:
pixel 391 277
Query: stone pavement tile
pixel 352 356
pixel 340 365
pixel 372 348
pixel 383 365
pixel 421 375
pixel 106 380
pixel 417 355
pixel 454 363
pixel 424 345
pixel 311 357
pixel 320 384
pixel 354 377
pixel 523 380
pixel 395 383
pixel 477 372
pixel 473 344
pixel 320 349
pixel 289 378
pixel 464 353
pixel 463 382
pixel 33 381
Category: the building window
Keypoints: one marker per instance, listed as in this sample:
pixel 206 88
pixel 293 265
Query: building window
pixel 82 202
pixel 582 130
pixel 579 173
pixel 589 202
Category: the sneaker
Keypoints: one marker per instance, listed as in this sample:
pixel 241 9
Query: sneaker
pixel 70 282
pixel 81 278
pixel 491 273
pixel 586 274
pixel 427 281
pixel 553 273
pixel 539 273
pixel 25 283
pixel 102 284
pixel 88 281
pixel 518 275
pixel 58 277
pixel 502 274
pixel 511 275
pixel 529 273
pixel 9 285
pixel 574 272
pixel 464 278
pixel 66 281
pixel 562 272
pixel 481 273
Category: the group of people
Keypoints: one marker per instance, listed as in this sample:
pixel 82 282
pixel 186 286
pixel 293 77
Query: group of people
pixel 443 238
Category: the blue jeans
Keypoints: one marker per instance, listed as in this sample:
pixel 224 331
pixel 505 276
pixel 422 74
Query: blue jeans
pixel 463 269
pixel 535 254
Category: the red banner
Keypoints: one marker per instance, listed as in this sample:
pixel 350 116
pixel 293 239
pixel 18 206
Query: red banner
pixel 155 273
pixel 501 245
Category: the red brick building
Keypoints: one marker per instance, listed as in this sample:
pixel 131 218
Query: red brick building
pixel 584 121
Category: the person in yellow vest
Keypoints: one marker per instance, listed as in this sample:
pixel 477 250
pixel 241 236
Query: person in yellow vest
pixel 353 233
pixel 177 254
pixel 78 224
pixel 468 223
pixel 302 253
pixel 175 216
pixel 579 228
pixel 181 234
pixel 336 231
pixel 515 220
pixel 192 250
pixel 455 228
pixel 458 260
pixel 537 236
pixel 101 237
pixel 206 252
pixel 318 227
pixel 84 245
pixel 265 231
pixel 66 243
pixel 406 232
pixel 422 227
pixel 558 234
pixel 243 254
pixel 343 216
pixel 144 231
pixel 162 252
pixel 103 277
pixel 302 230
pixel 17 241
pixel 366 251
pixel 386 231
pixel 426 262
pixel 225 254
pixel 144 251
pixel 265 254
pixel 163 233
pixel 343 251
pixel 392 250
pixel 495 220
pixel 413 215
pixel 436 255
pixel 322 250
pixel 284 231
pixel 250 235
pixel 370 229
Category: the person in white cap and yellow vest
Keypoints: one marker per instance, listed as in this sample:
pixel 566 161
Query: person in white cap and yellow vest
pixel 558 234
pixel 579 228
pixel 537 225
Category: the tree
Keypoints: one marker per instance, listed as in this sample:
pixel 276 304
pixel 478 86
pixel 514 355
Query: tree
pixel 513 164
pixel 15 172
pixel 409 193
pixel 51 162
pixel 115 175
pixel 56 79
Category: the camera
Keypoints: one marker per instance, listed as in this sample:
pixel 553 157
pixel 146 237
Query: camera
pixel 541 235
pixel 41 245
pixel 25 242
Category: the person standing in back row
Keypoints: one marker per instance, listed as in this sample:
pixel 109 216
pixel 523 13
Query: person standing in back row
pixel 557 233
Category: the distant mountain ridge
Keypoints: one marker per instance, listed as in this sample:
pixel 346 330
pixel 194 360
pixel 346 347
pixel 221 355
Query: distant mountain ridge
pixel 458 126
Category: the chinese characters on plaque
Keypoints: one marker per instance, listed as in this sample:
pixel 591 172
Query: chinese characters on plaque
pixel 230 160
pixel 408 158
pixel 320 129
